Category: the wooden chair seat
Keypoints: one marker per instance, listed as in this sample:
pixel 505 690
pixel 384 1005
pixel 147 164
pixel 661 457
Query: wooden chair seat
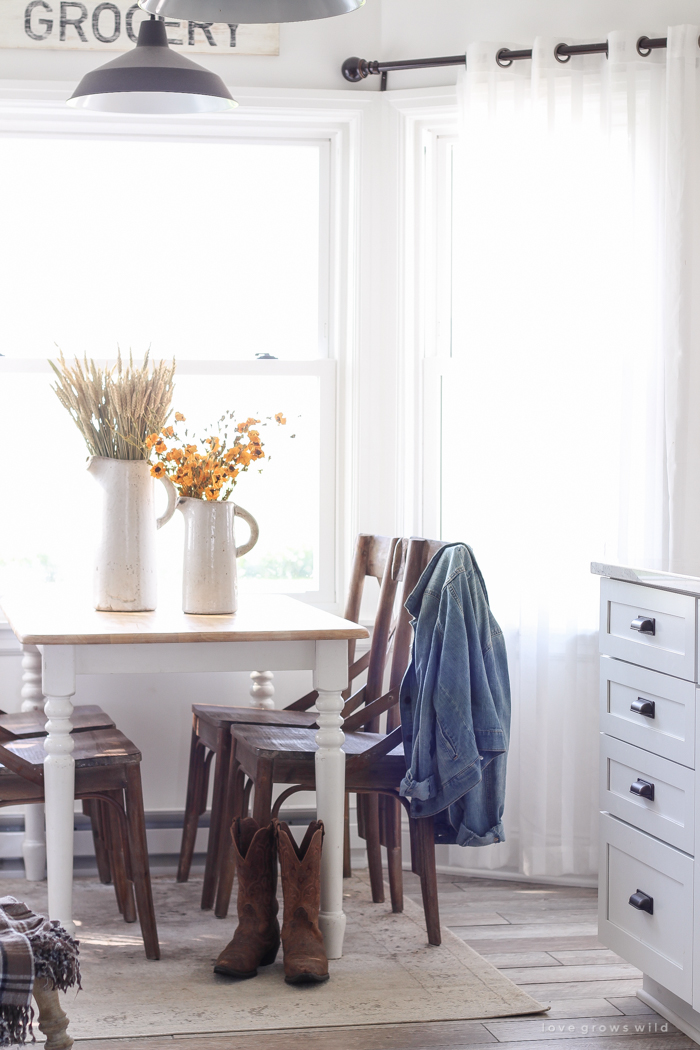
pixel 211 736
pixel 94 747
pixel 33 723
pixel 278 742
pixel 108 781
pixel 291 753
pixel 209 720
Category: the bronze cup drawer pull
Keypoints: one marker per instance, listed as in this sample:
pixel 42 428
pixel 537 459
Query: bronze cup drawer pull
pixel 644 707
pixel 642 902
pixel 644 624
pixel 643 788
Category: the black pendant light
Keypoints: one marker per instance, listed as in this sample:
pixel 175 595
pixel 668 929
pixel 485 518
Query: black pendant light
pixel 152 79
pixel 244 12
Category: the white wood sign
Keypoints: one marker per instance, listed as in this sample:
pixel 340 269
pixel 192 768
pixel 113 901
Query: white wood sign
pixel 112 25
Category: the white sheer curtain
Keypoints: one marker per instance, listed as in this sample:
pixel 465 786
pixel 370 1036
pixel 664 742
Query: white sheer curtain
pixel 571 406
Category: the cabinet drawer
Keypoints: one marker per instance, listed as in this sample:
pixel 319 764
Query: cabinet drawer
pixel 669 814
pixel 667 728
pixel 666 640
pixel 660 943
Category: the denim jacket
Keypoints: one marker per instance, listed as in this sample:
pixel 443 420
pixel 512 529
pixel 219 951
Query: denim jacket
pixel 455 703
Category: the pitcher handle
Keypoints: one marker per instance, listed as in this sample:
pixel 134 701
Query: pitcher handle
pixel 254 530
pixel 172 503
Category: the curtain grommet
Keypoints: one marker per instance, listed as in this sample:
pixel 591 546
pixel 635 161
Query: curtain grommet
pixel 563 58
pixel 642 49
pixel 501 60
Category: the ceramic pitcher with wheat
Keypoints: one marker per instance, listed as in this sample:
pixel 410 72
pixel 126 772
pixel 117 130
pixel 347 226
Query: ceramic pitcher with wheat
pixel 116 409
pixel 125 577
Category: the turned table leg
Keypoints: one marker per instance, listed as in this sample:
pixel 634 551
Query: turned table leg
pixel 34 841
pixel 330 678
pixel 59 780
pixel 262 690
pixel 53 1022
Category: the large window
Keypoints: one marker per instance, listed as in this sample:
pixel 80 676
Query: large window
pixel 214 251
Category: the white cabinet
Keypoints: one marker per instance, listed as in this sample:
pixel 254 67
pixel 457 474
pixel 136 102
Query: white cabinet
pixel 649 693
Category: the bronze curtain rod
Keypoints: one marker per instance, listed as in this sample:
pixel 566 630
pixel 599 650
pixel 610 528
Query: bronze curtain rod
pixel 357 69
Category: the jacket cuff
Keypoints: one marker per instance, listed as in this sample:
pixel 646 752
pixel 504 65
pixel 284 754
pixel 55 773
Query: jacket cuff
pixel 420 789
pixel 466 837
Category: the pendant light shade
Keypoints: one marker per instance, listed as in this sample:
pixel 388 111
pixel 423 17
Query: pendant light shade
pixel 244 12
pixel 152 79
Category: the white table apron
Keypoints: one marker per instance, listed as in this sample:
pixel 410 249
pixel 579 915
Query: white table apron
pixel 328 659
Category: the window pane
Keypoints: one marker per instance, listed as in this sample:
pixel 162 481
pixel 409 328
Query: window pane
pixel 197 249
pixel 51 517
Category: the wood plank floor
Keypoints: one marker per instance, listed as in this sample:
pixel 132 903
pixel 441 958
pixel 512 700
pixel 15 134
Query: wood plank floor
pixel 543 937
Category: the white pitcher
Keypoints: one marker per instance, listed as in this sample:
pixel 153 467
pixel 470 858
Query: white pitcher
pixel 126 571
pixel 209 578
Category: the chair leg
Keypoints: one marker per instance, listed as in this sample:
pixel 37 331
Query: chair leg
pixel 138 849
pixel 262 803
pixel 425 837
pixel 123 887
pixel 392 817
pixel 374 849
pixel 217 819
pixel 347 861
pixel 92 808
pixel 227 861
pixel 197 783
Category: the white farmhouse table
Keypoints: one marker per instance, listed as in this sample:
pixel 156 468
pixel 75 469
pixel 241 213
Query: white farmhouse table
pixel 274 632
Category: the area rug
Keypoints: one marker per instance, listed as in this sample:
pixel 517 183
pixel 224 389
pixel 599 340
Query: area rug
pixel 388 972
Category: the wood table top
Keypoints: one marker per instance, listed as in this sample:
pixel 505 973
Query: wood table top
pixel 50 615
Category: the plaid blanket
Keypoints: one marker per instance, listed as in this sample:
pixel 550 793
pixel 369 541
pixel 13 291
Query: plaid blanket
pixel 30 946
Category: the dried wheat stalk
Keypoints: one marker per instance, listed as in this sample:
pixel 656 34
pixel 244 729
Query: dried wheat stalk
pixel 116 409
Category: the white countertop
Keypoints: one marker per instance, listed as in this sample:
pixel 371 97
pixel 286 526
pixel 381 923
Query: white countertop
pixel 667 581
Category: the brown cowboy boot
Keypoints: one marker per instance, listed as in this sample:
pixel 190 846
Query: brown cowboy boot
pixel 257 937
pixel 305 960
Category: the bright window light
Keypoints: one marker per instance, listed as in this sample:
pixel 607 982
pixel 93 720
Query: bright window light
pixel 197 249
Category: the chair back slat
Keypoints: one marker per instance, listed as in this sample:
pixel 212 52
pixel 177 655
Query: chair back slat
pixel 359 666
pixel 352 703
pixel 377 556
pixel 368 715
pixel 383 626
pixel 17 764
pixel 419 554
pixel 370 559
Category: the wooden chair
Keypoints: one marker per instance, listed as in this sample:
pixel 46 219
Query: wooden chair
pixel 211 733
pixel 108 775
pixel 23 724
pixel 375 763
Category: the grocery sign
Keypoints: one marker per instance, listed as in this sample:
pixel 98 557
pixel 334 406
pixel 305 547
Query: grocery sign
pixel 74 25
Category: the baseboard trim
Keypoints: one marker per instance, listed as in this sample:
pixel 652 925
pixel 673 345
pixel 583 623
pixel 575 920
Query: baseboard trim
pixel 585 882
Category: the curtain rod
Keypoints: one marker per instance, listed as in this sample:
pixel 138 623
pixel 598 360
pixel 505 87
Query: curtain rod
pixel 357 69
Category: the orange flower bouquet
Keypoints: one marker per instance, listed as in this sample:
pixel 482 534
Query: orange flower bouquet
pixel 208 470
